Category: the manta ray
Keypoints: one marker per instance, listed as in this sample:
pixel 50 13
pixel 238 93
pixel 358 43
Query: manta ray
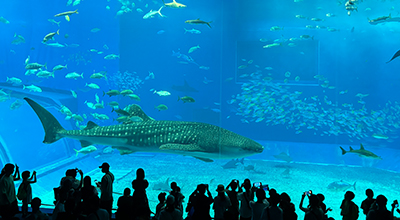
pixel 200 140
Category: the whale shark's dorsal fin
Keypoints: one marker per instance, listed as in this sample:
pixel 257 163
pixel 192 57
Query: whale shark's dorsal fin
pixel 136 110
pixel 90 125
pixel 362 147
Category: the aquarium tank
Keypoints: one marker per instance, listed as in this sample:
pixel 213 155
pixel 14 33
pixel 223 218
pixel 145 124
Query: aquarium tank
pixel 306 91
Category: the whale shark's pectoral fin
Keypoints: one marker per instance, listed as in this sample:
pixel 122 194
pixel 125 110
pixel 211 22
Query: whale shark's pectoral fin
pixel 85 144
pixel 208 160
pixel 185 147
pixel 123 150
pixel 181 147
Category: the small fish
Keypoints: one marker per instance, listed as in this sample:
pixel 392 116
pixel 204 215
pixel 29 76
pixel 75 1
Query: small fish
pixel 50 36
pixel 283 156
pixel 67 13
pixel 32 88
pixel 111 93
pixel 192 49
pixel 86 150
pixel 162 93
pixel 111 57
pixel 160 32
pixel 92 85
pixel 186 99
pixel 34 66
pixel 161 107
pixel 198 21
pixel 59 67
pixel 380 136
pixel 95 30
pixel 73 75
pixel 192 31
pixel 3 20
pixel 340 186
pixel 74 94
pixel 174 4
pixel 15 105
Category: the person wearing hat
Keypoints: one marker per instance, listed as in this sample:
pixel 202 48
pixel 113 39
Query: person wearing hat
pixel 221 203
pixel 170 212
pixel 106 188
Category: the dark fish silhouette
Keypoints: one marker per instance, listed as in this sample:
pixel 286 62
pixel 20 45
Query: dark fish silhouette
pixel 185 88
pixel 232 164
pixel 394 56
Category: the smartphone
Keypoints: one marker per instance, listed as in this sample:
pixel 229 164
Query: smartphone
pixel 257 184
pixel 396 206
pixel 307 193
pixel 265 187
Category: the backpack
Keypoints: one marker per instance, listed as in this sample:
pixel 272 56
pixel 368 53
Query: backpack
pixel 22 191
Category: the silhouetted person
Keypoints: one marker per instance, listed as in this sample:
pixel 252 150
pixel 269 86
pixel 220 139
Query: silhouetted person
pixel 65 192
pixel 176 192
pixel 221 203
pixel 170 212
pixel 325 210
pixel 87 191
pixel 348 207
pixel 68 214
pixel 97 213
pixel 367 203
pixel 139 196
pixel 381 213
pixel 273 212
pixel 36 213
pixel 71 175
pixel 202 203
pixel 25 190
pixel 161 205
pixel 258 206
pixel 125 204
pixel 288 208
pixel 313 212
pixel 233 210
pixel 8 198
pixel 190 206
pixel 106 187
pixel 245 198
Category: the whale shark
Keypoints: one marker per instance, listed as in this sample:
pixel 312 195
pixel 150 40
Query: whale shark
pixel 199 140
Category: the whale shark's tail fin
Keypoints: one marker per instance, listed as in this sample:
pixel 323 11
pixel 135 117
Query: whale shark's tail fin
pixel 50 124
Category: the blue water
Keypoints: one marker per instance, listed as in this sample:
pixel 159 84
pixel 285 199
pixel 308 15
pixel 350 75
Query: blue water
pixel 241 85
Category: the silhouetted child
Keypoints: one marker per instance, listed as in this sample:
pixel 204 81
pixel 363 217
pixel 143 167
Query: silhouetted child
pixel 348 207
pixel 125 204
pixel 161 204
pixel 36 213
pixel 176 192
pixel 170 212
pixel 25 190
pixel 87 191
pixel 367 203
pixel 221 203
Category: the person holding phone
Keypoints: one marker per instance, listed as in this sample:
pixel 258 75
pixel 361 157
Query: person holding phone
pixel 202 203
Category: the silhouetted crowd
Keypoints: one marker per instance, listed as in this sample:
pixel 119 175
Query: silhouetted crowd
pixel 78 199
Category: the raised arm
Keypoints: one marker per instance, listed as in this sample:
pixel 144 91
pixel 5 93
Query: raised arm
pixel 17 176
